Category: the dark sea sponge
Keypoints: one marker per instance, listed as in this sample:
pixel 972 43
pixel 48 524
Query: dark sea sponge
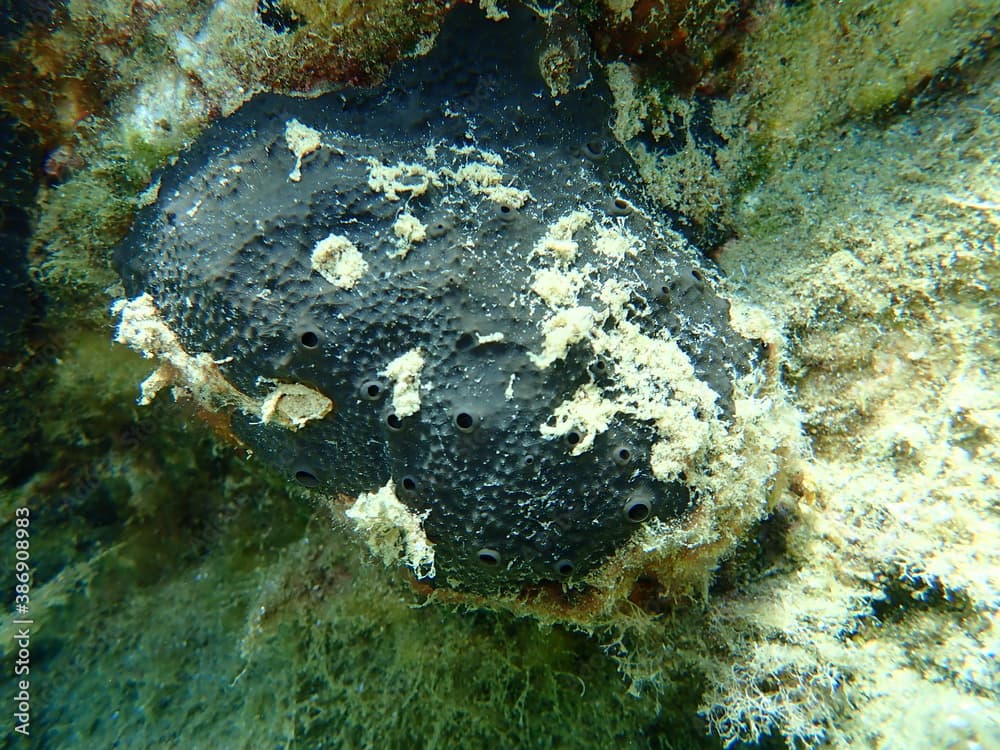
pixel 450 297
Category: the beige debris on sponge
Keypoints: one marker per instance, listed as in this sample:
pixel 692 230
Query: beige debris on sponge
pixel 404 371
pixel 292 405
pixel 616 242
pixel 142 329
pixel 391 180
pixel 198 376
pixel 409 230
pixel 302 141
pixel 587 413
pixel 392 531
pixel 487 180
pixel 557 288
pixel 337 260
pixel 561 331
pixel 558 241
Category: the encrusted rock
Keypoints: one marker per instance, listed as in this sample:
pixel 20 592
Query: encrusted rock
pixel 514 343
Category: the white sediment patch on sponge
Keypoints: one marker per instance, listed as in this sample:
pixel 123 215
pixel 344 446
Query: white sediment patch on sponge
pixel 404 371
pixel 557 288
pixel 392 531
pixel 302 141
pixel 409 230
pixel 561 331
pixel 483 154
pixel 198 376
pixel 558 241
pixel 293 405
pixel 654 381
pixel 587 413
pixel 337 260
pixel 142 329
pixel 402 177
pixel 481 176
pixel 486 180
pixel 616 242
pixel 615 294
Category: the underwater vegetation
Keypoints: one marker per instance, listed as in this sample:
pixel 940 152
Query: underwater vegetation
pixel 830 579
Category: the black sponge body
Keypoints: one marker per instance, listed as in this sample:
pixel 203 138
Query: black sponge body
pixel 226 249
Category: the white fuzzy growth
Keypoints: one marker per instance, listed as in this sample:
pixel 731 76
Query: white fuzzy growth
pixel 198 376
pixel 557 288
pixel 558 241
pixel 486 180
pixel 392 531
pixel 615 242
pixel 389 180
pixel 481 177
pixel 656 382
pixel 409 230
pixel 338 261
pixel 142 329
pixel 588 413
pixel 302 141
pixel 563 330
pixel 404 371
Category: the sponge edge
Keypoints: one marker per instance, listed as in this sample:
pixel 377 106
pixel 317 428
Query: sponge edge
pixel 747 466
pixel 392 531
pixel 199 378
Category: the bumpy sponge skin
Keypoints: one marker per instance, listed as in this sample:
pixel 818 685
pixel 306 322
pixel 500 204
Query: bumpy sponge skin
pixel 515 342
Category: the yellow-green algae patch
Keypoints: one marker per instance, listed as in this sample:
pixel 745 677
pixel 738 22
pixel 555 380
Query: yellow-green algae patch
pixel 809 65
pixel 801 68
pixel 877 251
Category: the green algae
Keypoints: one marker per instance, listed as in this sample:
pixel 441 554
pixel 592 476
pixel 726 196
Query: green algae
pixel 801 69
pixel 811 65
pixel 311 645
